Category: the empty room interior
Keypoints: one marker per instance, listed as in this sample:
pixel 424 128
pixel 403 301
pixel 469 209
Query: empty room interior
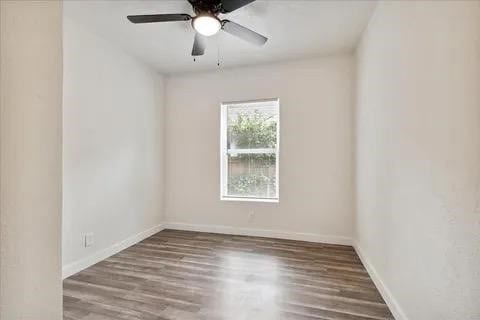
pixel 239 160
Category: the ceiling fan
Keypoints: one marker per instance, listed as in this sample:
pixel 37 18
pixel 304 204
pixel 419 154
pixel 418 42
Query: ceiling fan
pixel 207 23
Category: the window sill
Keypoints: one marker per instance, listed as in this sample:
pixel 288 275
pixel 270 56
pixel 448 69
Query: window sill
pixel 268 200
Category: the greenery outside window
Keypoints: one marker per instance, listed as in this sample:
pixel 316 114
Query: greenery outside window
pixel 249 150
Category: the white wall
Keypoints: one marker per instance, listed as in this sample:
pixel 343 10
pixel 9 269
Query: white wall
pixel 31 160
pixel 418 170
pixel 113 146
pixel 316 162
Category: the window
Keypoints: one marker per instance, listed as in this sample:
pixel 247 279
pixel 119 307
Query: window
pixel 249 150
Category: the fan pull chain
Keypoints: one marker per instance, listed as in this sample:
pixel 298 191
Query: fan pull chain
pixel 218 51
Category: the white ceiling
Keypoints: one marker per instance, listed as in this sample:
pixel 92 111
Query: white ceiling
pixel 296 29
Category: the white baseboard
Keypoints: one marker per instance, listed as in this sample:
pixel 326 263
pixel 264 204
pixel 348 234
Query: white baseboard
pixel 77 266
pixel 279 234
pixel 387 295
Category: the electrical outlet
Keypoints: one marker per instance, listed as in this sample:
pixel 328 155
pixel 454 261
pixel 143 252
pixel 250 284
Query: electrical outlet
pixel 88 239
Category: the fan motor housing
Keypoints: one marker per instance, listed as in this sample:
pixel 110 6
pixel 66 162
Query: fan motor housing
pixel 213 7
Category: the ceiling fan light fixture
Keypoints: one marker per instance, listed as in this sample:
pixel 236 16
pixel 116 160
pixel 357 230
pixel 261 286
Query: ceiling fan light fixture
pixel 206 25
pixel 206 22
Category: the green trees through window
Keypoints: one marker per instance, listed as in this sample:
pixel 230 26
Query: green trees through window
pixel 251 151
pixel 253 130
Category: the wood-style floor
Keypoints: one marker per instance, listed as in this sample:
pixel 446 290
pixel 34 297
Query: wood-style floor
pixel 189 275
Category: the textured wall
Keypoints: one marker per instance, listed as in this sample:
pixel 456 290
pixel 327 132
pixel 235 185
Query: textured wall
pixel 31 160
pixel 418 143
pixel 112 144
pixel 316 135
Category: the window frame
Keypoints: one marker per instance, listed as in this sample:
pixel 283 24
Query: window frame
pixel 224 152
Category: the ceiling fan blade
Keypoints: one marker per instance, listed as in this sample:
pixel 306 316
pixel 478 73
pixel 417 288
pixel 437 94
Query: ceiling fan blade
pixel 243 33
pixel 148 18
pixel 198 45
pixel 232 5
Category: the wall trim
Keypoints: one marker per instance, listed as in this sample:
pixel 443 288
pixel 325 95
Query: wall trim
pixel 386 293
pixel 79 265
pixel 279 234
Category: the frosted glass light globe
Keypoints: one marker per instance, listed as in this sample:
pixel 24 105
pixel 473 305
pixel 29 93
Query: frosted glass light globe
pixel 207 25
